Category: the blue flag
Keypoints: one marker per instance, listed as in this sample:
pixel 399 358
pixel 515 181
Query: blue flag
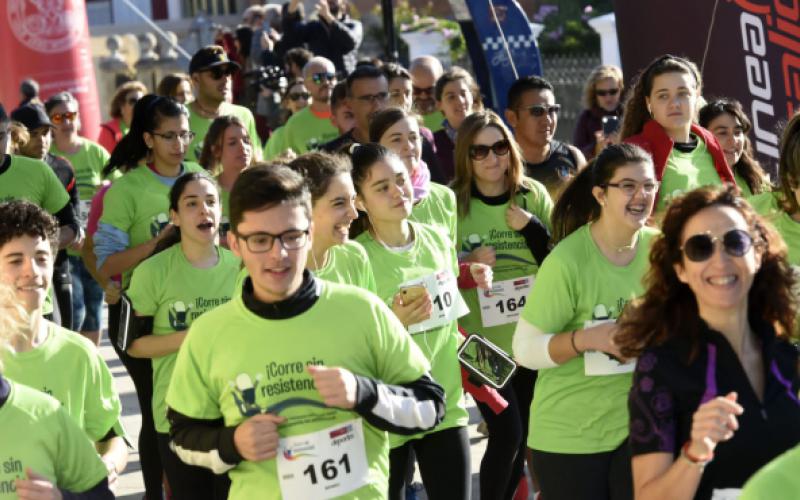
pixel 486 15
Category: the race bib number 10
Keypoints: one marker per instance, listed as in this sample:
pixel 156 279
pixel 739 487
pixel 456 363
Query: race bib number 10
pixel 447 302
pixel 323 464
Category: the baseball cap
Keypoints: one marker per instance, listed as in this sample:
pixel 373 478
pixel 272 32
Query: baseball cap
pixel 209 57
pixel 32 116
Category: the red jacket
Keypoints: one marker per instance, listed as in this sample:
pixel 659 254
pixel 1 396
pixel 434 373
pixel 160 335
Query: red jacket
pixel 655 141
pixel 110 134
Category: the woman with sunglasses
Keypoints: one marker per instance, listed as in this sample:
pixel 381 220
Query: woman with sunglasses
pixel 503 221
pixel 135 218
pixel 121 112
pixel 578 420
pixel 415 270
pixel 659 117
pixel 294 99
pixel 602 98
pixel 188 275
pixel 714 395
pixel 227 150
pixel 726 119
pixel 398 130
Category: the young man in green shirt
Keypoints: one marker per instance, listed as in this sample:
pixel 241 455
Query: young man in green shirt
pixel 290 386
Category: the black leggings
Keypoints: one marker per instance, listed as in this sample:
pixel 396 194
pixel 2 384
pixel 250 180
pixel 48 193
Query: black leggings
pixel 190 482
pixel 444 465
pixel 595 476
pixel 503 463
pixel 141 372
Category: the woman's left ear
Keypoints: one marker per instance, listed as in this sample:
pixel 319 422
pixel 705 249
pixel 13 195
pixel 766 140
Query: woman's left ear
pixel 600 195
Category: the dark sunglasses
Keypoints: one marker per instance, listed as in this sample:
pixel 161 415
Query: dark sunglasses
pixel 319 77
pixel 218 72
pixel 420 90
pixel 60 118
pixel 700 247
pixel 296 96
pixel 481 151
pixel 539 110
pixel 603 93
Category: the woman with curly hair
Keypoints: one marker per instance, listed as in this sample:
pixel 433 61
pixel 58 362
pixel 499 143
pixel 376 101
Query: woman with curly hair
pixel 602 97
pixel 715 377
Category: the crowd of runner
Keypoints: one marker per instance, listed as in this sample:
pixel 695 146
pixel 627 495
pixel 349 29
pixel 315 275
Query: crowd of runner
pixel 288 291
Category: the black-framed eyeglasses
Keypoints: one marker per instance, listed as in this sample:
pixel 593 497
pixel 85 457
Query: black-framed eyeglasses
pixel 262 242
pixel 370 98
pixel 630 188
pixel 605 92
pixel 481 151
pixel 319 77
pixel 218 72
pixel 700 247
pixel 539 110
pixel 296 96
pixel 185 137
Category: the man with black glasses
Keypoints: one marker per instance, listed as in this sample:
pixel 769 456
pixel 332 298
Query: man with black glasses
pixel 367 93
pixel 211 71
pixel 311 126
pixel 533 114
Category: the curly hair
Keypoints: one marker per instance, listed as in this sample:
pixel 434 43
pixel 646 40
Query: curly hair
pixel 115 109
pixel 22 218
pixel 668 308
pixel 789 164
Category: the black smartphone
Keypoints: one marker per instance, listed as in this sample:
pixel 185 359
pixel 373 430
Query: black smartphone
pixel 610 125
pixel 486 361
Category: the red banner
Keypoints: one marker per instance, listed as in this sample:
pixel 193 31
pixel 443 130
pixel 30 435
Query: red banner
pixel 48 40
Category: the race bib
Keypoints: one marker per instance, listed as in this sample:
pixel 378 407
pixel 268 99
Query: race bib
pixel 324 464
pixel 447 302
pixel 598 363
pixel 83 212
pixel 504 302
pixel 726 494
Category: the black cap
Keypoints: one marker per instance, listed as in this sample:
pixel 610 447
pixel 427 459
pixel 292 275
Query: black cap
pixel 32 116
pixel 209 57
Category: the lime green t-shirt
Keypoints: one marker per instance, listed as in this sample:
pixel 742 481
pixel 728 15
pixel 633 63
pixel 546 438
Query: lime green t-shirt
pixel 138 204
pixel 275 144
pixel 224 220
pixel 433 121
pixel 572 412
pixel 34 181
pixel 234 364
pixel 485 225
pixel 174 292
pixel 68 367
pixel 685 172
pixel 37 433
pixel 304 131
pixel 348 264
pixel 777 479
pixel 743 186
pixel 430 253
pixel 200 126
pixel 437 209
pixel 768 205
pixel 88 163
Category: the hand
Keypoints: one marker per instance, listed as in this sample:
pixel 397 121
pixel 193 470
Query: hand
pixel 713 422
pixel 415 311
pixel 601 338
pixel 482 255
pixel 324 11
pixel 166 231
pixel 113 476
pixel 337 386
pixel 36 487
pixel 256 438
pixel 77 244
pixel 482 274
pixel 113 291
pixel 517 217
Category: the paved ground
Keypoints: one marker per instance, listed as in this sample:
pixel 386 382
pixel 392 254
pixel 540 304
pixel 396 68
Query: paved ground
pixel 131 487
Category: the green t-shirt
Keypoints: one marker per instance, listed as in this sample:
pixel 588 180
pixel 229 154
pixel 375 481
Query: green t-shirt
pixel 685 172
pixel 304 131
pixel 768 205
pixel 88 163
pixel 777 479
pixel 430 253
pixel 224 220
pixel 234 364
pixel 433 121
pixel 200 126
pixel 174 292
pixel 743 186
pixel 275 144
pixel 68 367
pixel 32 180
pixel 348 264
pixel 138 204
pixel 37 433
pixel 437 209
pixel 572 412
pixel 485 225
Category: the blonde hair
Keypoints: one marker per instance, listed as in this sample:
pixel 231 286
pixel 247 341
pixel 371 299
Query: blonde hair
pixel 14 320
pixel 600 73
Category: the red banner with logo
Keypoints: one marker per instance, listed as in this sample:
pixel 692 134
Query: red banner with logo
pixel 48 40
pixel 752 53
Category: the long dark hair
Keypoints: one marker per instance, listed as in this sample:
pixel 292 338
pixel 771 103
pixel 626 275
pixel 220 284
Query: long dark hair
pixel 175 192
pixel 318 169
pixel 789 163
pixel 577 206
pixel 747 166
pixel 148 114
pixel 668 308
pixel 364 156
